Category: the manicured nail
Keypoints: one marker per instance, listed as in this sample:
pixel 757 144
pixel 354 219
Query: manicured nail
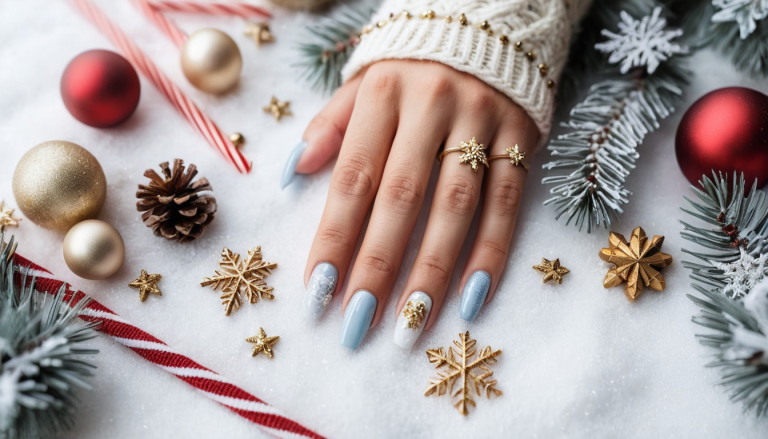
pixel 357 319
pixel 412 319
pixel 321 286
pixel 289 172
pixel 473 296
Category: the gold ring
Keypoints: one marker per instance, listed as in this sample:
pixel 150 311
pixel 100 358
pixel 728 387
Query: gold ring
pixel 515 156
pixel 472 153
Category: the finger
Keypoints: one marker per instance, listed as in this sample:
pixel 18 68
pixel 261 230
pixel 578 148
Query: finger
pixel 354 183
pixel 501 201
pixel 399 200
pixel 322 138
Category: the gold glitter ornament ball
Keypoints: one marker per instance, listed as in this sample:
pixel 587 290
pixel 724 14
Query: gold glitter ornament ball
pixel 211 61
pixel 57 184
pixel 94 250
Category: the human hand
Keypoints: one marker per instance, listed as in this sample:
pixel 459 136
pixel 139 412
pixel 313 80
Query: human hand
pixel 387 125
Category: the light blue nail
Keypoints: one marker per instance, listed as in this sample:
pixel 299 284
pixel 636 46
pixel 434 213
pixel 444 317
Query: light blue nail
pixel 290 166
pixel 357 319
pixel 473 296
pixel 322 283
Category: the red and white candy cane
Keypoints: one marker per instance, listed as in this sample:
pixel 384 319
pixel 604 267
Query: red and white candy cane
pixel 206 381
pixel 144 64
pixel 242 10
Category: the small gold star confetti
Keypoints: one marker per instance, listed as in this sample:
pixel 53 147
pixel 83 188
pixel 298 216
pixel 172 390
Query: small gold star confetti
pixel 461 371
pixel 473 153
pixel 259 32
pixel 278 108
pixel 241 276
pixel 552 270
pixel 6 217
pixel 516 156
pixel 635 261
pixel 147 283
pixel 414 313
pixel 262 343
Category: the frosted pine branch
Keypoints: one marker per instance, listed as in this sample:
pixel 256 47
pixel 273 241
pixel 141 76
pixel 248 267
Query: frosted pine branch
pixel 745 12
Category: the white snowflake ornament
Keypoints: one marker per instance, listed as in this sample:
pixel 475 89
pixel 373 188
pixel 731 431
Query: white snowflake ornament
pixel 745 12
pixel 742 274
pixel 642 42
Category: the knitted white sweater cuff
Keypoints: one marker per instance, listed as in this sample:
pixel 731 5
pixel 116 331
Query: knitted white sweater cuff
pixel 518 47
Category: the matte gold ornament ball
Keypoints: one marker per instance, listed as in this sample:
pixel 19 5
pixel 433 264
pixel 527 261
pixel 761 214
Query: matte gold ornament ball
pixel 94 250
pixel 211 61
pixel 57 184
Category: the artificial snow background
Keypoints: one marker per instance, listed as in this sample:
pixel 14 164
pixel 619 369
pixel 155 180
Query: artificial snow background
pixel 578 360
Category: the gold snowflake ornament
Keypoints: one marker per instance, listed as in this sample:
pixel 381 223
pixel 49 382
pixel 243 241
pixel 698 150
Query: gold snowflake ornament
pixel 461 370
pixel 414 313
pixel 278 108
pixel 473 153
pixel 259 32
pixel 262 343
pixel 146 284
pixel 552 270
pixel 237 276
pixel 6 217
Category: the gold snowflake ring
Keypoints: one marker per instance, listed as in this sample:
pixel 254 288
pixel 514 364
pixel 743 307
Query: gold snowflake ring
pixel 472 153
pixel 515 156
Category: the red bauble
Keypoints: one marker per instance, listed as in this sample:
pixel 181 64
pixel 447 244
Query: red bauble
pixel 100 88
pixel 726 130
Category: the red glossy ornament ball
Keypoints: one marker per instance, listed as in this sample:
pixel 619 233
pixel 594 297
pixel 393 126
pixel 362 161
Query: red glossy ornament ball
pixel 100 88
pixel 726 130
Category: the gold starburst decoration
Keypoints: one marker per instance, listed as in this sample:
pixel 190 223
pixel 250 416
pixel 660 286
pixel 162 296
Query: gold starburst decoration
pixel 473 153
pixel 6 217
pixel 146 284
pixel 462 371
pixel 636 262
pixel 414 313
pixel 241 276
pixel 262 343
pixel 516 156
pixel 552 270
pixel 259 32
pixel 278 108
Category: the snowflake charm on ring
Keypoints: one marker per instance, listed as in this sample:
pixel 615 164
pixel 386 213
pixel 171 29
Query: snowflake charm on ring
pixel 473 153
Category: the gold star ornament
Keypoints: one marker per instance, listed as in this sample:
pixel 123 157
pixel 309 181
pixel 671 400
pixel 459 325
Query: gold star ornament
pixel 636 262
pixel 259 32
pixel 473 153
pixel 6 217
pixel 552 270
pixel 278 108
pixel 146 284
pixel 262 343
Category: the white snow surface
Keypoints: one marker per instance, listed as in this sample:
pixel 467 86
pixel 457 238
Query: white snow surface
pixel 578 360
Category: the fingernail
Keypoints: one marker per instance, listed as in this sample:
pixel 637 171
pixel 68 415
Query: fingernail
pixel 357 319
pixel 320 290
pixel 473 296
pixel 412 319
pixel 289 172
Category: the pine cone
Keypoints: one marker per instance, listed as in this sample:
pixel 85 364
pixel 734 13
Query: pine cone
pixel 172 206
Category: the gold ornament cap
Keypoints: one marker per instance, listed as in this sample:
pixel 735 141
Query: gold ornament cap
pixel 211 61
pixel 94 250
pixel 58 184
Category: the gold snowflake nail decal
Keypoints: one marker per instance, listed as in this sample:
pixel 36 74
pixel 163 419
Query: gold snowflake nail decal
pixel 278 108
pixel 6 217
pixel 259 32
pixel 473 153
pixel 241 276
pixel 552 270
pixel 462 371
pixel 146 284
pixel 414 313
pixel 262 343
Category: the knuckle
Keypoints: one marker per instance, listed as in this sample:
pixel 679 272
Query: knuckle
pixel 436 86
pixel 460 196
pixel 494 249
pixel 403 193
pixel 335 236
pixel 434 268
pixel 353 178
pixel 378 263
pixel 481 101
pixel 322 122
pixel 381 82
pixel 504 197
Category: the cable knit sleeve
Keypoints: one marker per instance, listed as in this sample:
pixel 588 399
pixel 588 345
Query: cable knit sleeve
pixel 518 47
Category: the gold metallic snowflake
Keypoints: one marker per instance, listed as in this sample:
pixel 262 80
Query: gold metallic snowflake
pixel 636 262
pixel 473 153
pixel 259 32
pixel 414 313
pixel 146 284
pixel 278 108
pixel 262 343
pixel 6 217
pixel 241 276
pixel 516 156
pixel 552 270
pixel 461 369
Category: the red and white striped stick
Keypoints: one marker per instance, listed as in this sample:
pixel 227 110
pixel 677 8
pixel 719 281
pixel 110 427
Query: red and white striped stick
pixel 144 64
pixel 243 10
pixel 206 381
pixel 168 27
